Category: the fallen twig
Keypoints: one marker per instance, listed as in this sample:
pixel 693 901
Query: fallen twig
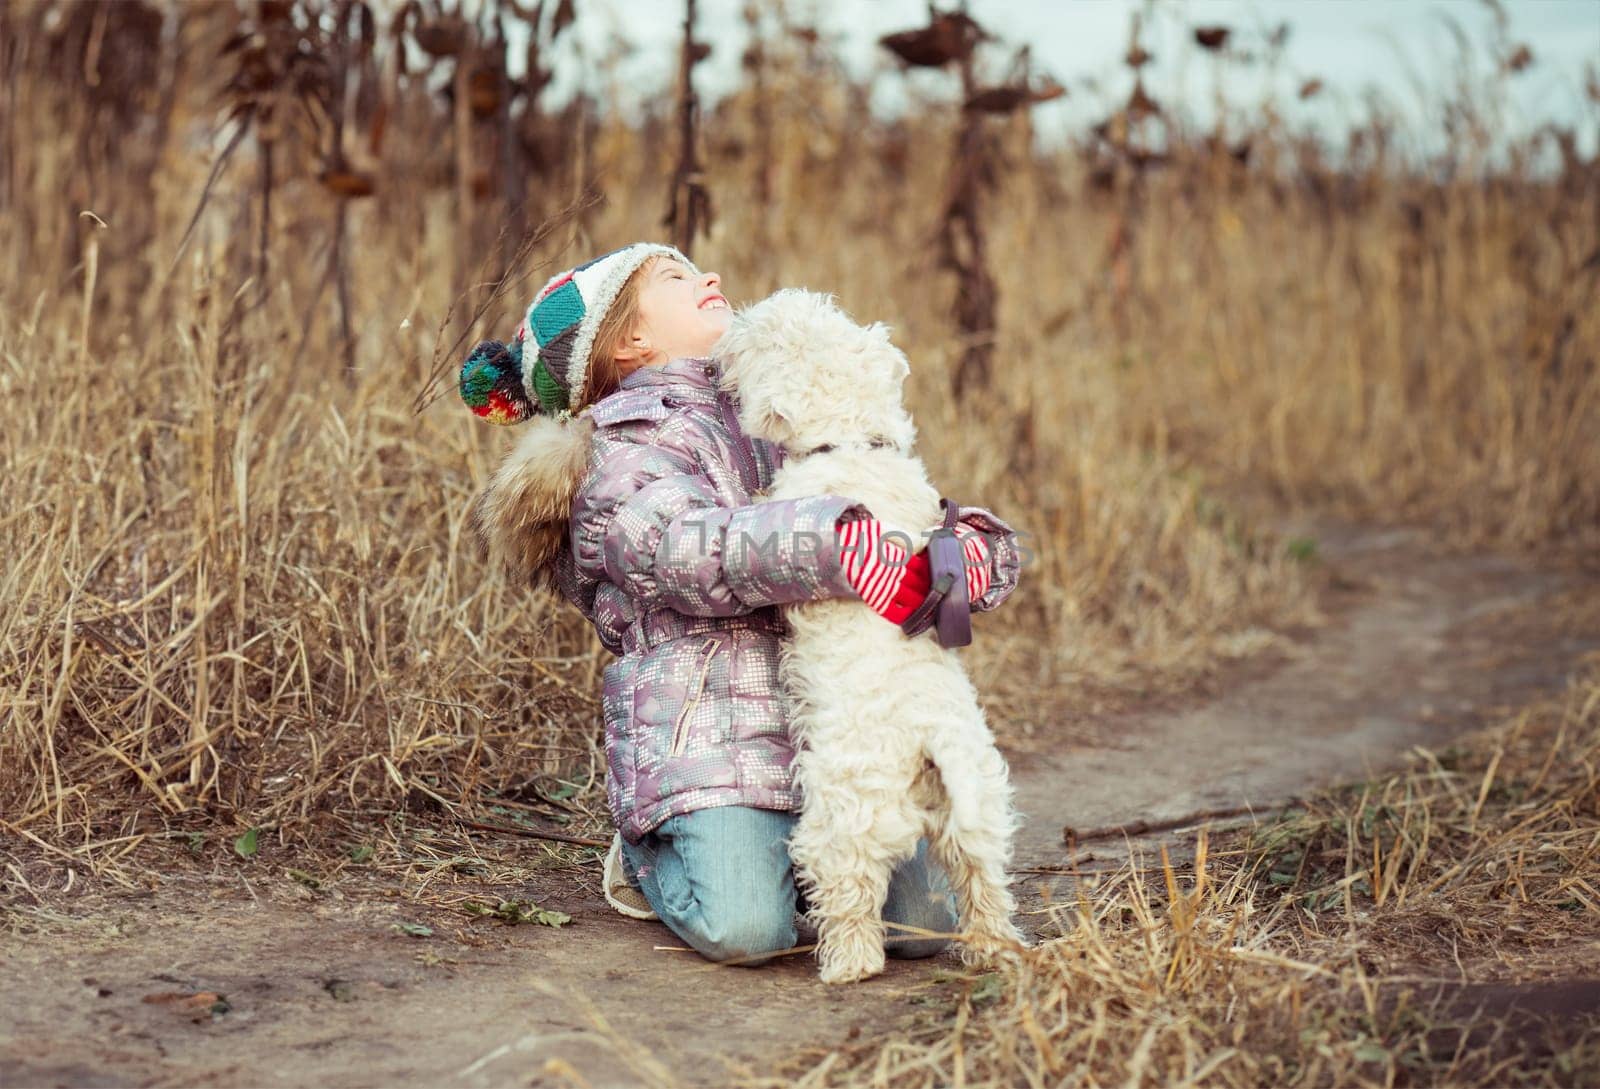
pixel 1067 869
pixel 533 833
pixel 1073 836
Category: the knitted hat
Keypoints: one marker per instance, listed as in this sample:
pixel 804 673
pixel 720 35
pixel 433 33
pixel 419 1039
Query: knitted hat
pixel 497 381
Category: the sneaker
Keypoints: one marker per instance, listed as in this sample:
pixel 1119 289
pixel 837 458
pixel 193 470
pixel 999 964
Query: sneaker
pixel 621 893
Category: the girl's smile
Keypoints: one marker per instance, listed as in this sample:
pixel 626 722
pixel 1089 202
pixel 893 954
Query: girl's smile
pixel 681 314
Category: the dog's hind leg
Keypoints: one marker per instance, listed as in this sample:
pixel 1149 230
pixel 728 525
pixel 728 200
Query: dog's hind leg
pixel 844 847
pixel 971 836
pixel 847 910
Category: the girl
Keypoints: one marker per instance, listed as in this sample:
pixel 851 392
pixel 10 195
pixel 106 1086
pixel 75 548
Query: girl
pixel 632 493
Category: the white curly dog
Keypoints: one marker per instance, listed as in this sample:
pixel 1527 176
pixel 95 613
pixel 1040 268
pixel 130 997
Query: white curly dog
pixel 892 741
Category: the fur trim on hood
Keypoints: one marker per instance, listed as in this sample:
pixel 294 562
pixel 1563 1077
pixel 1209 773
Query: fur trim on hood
pixel 522 515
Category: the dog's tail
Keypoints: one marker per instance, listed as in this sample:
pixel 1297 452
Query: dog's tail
pixel 978 785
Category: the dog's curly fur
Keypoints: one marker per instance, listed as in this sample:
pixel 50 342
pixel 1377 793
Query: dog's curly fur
pixel 893 742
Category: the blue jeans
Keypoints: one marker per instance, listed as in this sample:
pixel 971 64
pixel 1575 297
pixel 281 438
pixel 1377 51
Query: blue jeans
pixel 721 880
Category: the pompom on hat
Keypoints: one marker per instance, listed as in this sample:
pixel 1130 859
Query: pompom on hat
pixel 506 384
pixel 491 383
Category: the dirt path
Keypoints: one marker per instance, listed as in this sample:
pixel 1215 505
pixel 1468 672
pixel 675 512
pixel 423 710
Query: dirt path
pixel 320 990
pixel 1418 650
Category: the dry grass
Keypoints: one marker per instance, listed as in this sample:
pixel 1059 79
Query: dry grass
pixel 241 592
pixel 1334 947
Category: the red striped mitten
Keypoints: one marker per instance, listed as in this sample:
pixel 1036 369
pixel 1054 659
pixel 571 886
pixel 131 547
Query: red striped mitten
pixel 979 558
pixel 878 569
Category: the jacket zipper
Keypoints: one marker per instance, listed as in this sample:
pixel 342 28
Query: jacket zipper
pixel 680 731
pixel 743 449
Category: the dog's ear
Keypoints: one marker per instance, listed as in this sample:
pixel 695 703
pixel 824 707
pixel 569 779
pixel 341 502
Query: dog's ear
pixel 772 418
pixel 902 367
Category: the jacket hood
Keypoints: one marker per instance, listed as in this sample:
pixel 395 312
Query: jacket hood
pixel 521 516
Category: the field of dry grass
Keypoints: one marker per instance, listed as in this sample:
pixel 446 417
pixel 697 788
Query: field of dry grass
pixel 242 589
pixel 242 594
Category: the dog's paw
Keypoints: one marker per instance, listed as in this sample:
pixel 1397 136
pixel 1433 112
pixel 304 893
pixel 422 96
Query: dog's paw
pixel 992 946
pixel 990 954
pixel 852 957
pixel 852 971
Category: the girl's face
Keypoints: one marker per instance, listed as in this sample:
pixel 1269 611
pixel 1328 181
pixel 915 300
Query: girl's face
pixel 680 315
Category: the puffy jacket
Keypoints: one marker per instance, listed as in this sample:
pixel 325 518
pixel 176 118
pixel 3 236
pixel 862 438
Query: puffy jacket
pixel 681 572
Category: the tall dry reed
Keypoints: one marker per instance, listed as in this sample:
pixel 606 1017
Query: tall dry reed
pixel 241 589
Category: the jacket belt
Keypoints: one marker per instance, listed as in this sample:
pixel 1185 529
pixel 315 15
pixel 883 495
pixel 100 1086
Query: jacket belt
pixel 663 625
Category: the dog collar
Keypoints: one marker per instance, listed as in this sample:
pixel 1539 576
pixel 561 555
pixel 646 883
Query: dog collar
pixel 828 447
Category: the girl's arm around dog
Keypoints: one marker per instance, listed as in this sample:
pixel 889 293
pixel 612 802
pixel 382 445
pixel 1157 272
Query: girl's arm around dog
pixel 1005 561
pixel 1005 551
pixel 651 521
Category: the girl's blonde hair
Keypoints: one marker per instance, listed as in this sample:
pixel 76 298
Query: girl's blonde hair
pixel 605 374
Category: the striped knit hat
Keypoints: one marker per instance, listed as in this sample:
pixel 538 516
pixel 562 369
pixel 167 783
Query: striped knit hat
pixel 496 381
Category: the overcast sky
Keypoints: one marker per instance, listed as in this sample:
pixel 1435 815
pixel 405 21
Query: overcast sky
pixel 1394 46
